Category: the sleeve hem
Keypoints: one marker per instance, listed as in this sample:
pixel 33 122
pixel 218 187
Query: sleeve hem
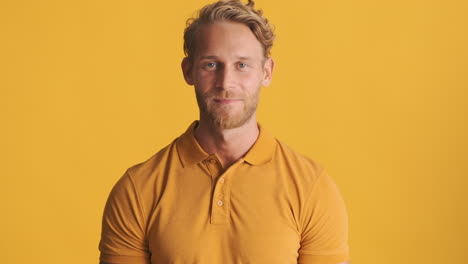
pixel 323 259
pixel 339 251
pixel 115 259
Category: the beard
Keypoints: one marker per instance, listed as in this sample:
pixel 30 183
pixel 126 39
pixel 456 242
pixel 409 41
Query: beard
pixel 224 116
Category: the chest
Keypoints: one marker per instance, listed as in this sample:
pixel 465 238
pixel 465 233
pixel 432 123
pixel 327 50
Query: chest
pixel 230 218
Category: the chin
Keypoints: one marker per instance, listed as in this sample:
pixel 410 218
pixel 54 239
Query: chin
pixel 230 122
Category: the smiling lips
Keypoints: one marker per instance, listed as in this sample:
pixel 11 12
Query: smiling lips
pixel 226 100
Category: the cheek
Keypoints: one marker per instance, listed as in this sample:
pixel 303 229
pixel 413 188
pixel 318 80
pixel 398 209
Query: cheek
pixel 253 80
pixel 204 85
pixel 204 78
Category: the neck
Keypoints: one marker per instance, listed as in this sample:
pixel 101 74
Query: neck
pixel 228 144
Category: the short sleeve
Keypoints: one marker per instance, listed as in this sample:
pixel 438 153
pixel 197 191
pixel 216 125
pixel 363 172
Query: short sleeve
pixel 123 226
pixel 324 225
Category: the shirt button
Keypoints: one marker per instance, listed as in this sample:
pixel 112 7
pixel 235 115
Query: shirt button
pixel 220 203
pixel 212 161
pixel 221 180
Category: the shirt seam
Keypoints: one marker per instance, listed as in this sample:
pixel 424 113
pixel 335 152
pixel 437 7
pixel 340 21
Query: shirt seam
pixel 309 197
pixel 335 252
pixel 124 256
pixel 139 201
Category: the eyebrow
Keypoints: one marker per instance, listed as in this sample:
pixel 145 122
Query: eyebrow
pixel 212 57
pixel 243 58
pixel 208 57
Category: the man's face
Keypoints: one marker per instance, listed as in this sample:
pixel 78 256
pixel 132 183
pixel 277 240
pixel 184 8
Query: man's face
pixel 227 71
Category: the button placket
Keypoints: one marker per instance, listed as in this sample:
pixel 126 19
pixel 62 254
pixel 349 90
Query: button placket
pixel 220 202
pixel 221 197
pixel 212 168
pixel 219 193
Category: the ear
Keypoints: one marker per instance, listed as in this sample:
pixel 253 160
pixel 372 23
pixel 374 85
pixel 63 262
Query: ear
pixel 187 71
pixel 268 67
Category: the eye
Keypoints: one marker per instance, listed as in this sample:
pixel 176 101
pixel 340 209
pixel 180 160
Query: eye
pixel 210 65
pixel 242 65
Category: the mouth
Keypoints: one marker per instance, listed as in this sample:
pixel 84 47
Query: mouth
pixel 226 100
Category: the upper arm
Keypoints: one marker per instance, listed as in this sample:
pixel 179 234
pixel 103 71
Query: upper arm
pixel 123 226
pixel 324 225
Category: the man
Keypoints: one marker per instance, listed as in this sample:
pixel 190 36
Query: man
pixel 225 191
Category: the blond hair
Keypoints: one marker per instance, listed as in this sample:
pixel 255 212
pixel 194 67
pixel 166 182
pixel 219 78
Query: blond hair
pixel 233 11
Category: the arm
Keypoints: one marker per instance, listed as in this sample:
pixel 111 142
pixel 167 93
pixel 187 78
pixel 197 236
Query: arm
pixel 123 226
pixel 324 225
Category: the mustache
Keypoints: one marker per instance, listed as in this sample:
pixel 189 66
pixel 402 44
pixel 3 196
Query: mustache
pixel 222 95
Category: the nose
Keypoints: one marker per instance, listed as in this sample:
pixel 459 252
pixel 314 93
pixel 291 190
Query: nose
pixel 225 78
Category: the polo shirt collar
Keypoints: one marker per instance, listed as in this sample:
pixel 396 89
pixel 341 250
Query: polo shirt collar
pixel 262 150
pixel 190 152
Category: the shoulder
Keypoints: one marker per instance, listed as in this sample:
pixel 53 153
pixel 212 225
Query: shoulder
pixel 145 181
pixel 145 175
pixel 298 163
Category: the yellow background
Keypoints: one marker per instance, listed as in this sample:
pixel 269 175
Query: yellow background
pixel 376 91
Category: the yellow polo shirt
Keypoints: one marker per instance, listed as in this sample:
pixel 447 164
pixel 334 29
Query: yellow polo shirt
pixel 273 206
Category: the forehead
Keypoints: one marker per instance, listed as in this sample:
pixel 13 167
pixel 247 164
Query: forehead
pixel 228 39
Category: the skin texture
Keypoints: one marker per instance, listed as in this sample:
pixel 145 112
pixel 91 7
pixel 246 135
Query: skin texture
pixel 228 71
